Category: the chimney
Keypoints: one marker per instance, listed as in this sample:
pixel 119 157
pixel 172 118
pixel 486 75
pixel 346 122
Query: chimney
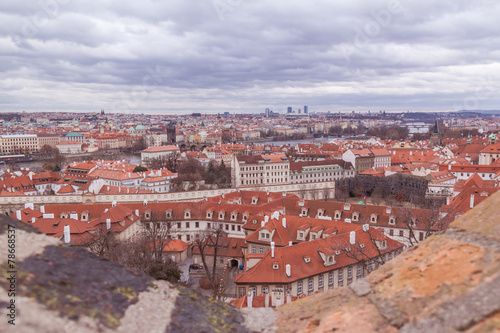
pixel 145 202
pixel 249 299
pixel 268 192
pixel 29 205
pixel 113 204
pixel 262 223
pixel 42 209
pixel 352 237
pixel 472 201
pixel 388 210
pixel 284 193
pixel 136 212
pixel 283 222
pixel 288 270
pixel 108 224
pixel 222 195
pixel 449 167
pixel 266 219
pixel 272 249
pixel 411 153
pixel 18 214
pixel 32 220
pixel 67 234
pixel 290 243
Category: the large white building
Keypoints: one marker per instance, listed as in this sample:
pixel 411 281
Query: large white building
pixel 158 152
pixel 260 170
pixel 19 143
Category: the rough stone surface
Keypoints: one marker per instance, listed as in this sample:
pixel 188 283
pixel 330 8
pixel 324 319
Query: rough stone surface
pixel 448 283
pixel 361 287
pixel 260 319
pixel 67 289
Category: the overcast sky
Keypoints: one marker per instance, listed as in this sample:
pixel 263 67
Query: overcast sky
pixel 183 56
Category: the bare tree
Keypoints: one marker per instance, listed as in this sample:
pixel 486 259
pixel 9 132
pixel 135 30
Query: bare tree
pixel 210 239
pixel 101 241
pixel 420 223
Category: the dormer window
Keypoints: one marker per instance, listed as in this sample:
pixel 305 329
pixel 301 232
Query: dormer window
pixel 233 216
pixel 254 221
pixel 392 220
pixel 361 245
pixel 321 212
pixel 209 214
pixel 337 252
pixel 245 217
pixel 168 214
pixel 254 200
pixel 276 265
pixel 355 216
pixel 307 259
pixel 304 211
pixel 147 214
pixel 301 203
pixel 221 215
pixel 300 235
pixel 187 214
pixel 313 235
pixel 337 215
pixel 373 218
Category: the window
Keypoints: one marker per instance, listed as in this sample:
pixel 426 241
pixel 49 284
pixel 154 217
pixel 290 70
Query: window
pixel 253 291
pixel 349 273
pixel 188 238
pixel 359 271
pixel 261 249
pixel 254 249
pixel 320 281
pixel 310 285
pixel 341 275
pixel 299 288
pixel 265 290
pixel 197 224
pixel 187 225
pixel 401 233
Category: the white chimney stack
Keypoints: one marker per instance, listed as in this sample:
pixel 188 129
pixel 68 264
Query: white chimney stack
pixel 67 234
pixel 18 214
pixel 136 212
pixel 472 201
pixel 42 209
pixel 108 224
pixel 366 227
pixel 32 220
pixel 113 204
pixel 449 167
pixel 266 219
pixel 29 205
pixel 352 237
pixel 290 243
pixel 262 223
pixel 268 192
pixel 249 299
pixel 388 210
pixel 272 249
pixel 288 270
pixel 145 203
pixel 283 222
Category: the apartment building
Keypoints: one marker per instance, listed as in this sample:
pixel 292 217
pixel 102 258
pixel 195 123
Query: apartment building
pixel 260 170
pixel 319 171
pixel 19 143
pixel 317 265
pixel 361 159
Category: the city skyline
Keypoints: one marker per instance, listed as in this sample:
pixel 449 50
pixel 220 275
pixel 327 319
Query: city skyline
pixel 244 57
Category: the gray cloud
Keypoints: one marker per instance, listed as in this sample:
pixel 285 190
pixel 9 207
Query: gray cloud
pixel 234 55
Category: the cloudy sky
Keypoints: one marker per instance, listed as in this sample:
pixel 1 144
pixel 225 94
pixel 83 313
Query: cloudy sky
pixel 182 56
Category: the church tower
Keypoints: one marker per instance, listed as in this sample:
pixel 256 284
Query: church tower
pixel 436 136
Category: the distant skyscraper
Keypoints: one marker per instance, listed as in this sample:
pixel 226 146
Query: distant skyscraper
pixel 267 113
pixel 289 109
pixel 305 109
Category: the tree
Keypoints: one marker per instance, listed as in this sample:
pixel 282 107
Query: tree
pixel 420 223
pixel 140 168
pixel 210 238
pixel 102 241
pixel 169 162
